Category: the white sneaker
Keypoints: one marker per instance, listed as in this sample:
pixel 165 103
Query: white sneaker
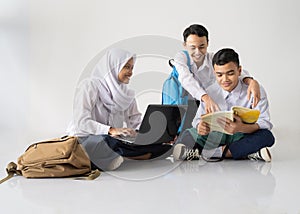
pixel 263 154
pixel 116 163
pixel 181 152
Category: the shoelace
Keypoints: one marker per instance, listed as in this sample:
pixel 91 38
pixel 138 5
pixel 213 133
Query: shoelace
pixel 191 154
pixel 254 156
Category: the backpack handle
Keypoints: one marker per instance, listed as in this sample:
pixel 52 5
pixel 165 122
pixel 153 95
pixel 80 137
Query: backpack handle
pixel 171 63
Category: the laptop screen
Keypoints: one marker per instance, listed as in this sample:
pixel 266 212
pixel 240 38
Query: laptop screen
pixel 160 124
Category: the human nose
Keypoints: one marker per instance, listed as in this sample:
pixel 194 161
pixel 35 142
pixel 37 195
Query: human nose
pixel 197 51
pixel 225 77
pixel 130 71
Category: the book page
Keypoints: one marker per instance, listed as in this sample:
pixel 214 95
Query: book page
pixel 212 118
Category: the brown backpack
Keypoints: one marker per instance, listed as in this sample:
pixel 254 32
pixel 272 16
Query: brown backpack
pixel 55 158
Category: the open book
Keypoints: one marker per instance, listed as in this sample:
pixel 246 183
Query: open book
pixel 246 114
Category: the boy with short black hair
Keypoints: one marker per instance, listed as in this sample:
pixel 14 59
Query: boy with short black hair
pixel 247 140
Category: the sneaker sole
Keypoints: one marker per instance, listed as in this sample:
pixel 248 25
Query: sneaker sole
pixel 265 154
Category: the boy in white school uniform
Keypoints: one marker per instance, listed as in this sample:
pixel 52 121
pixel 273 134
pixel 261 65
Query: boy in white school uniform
pixel 248 140
pixel 201 75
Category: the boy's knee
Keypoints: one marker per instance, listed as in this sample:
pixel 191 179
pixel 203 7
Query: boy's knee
pixel 269 137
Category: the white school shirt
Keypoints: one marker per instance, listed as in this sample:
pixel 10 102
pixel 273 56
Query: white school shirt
pixel 237 97
pixel 92 117
pixel 201 78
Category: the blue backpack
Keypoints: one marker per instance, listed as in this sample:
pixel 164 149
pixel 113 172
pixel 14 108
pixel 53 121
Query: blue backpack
pixel 172 91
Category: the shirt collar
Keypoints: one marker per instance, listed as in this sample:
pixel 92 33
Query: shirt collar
pixel 235 92
pixel 206 61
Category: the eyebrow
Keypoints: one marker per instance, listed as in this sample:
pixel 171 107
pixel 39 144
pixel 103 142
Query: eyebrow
pixel 217 72
pixel 195 45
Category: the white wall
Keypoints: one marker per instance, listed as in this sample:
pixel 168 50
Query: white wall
pixel 46 44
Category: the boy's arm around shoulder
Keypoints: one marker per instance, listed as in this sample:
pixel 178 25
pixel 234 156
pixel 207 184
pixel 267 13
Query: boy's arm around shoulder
pixel 264 121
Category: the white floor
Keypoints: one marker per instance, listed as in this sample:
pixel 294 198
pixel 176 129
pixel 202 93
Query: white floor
pixel 165 187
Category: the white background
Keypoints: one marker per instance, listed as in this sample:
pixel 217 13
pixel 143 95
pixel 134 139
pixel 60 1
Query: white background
pixel 45 46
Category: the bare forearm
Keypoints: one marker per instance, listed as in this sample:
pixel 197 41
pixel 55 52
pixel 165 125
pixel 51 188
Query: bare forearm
pixel 248 128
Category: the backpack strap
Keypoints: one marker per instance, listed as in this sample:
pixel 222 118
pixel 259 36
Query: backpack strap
pixel 217 159
pixel 188 60
pixel 90 175
pixel 171 61
pixel 11 170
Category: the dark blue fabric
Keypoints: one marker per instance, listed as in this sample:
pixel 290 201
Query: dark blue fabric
pixel 127 150
pixel 240 145
pixel 103 149
pixel 251 143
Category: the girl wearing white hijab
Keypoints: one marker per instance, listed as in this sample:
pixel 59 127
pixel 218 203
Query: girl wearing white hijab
pixel 102 104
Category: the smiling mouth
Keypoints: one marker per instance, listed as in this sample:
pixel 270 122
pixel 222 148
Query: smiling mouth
pixel 198 56
pixel 226 84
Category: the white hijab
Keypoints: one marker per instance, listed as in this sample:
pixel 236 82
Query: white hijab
pixel 115 95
